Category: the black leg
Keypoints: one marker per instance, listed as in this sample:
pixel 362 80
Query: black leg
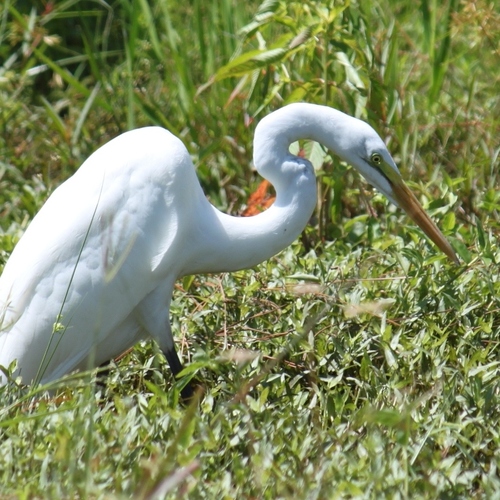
pixel 102 375
pixel 187 392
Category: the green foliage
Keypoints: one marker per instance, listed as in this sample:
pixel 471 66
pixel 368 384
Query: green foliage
pixel 358 362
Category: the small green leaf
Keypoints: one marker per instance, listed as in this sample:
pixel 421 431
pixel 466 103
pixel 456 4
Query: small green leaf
pixel 448 222
pixel 250 61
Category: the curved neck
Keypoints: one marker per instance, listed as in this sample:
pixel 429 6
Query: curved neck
pixel 240 242
pixel 276 131
pixel 235 243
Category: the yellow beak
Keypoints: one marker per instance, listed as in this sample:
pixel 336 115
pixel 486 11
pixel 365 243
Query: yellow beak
pixel 409 203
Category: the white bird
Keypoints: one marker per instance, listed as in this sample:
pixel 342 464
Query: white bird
pixel 95 270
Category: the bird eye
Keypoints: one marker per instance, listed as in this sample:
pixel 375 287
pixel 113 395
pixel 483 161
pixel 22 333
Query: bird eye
pixel 376 158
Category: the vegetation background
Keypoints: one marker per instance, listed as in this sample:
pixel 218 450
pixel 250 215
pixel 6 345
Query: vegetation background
pixel 358 363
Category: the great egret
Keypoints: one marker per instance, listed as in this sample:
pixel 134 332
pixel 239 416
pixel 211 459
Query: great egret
pixel 94 272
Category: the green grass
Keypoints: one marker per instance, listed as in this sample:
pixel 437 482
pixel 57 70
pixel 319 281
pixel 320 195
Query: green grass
pixel 358 363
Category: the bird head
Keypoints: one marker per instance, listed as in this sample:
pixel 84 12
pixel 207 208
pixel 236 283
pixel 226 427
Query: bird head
pixel 372 159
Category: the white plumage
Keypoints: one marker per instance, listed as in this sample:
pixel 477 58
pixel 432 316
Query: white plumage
pixel 95 270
